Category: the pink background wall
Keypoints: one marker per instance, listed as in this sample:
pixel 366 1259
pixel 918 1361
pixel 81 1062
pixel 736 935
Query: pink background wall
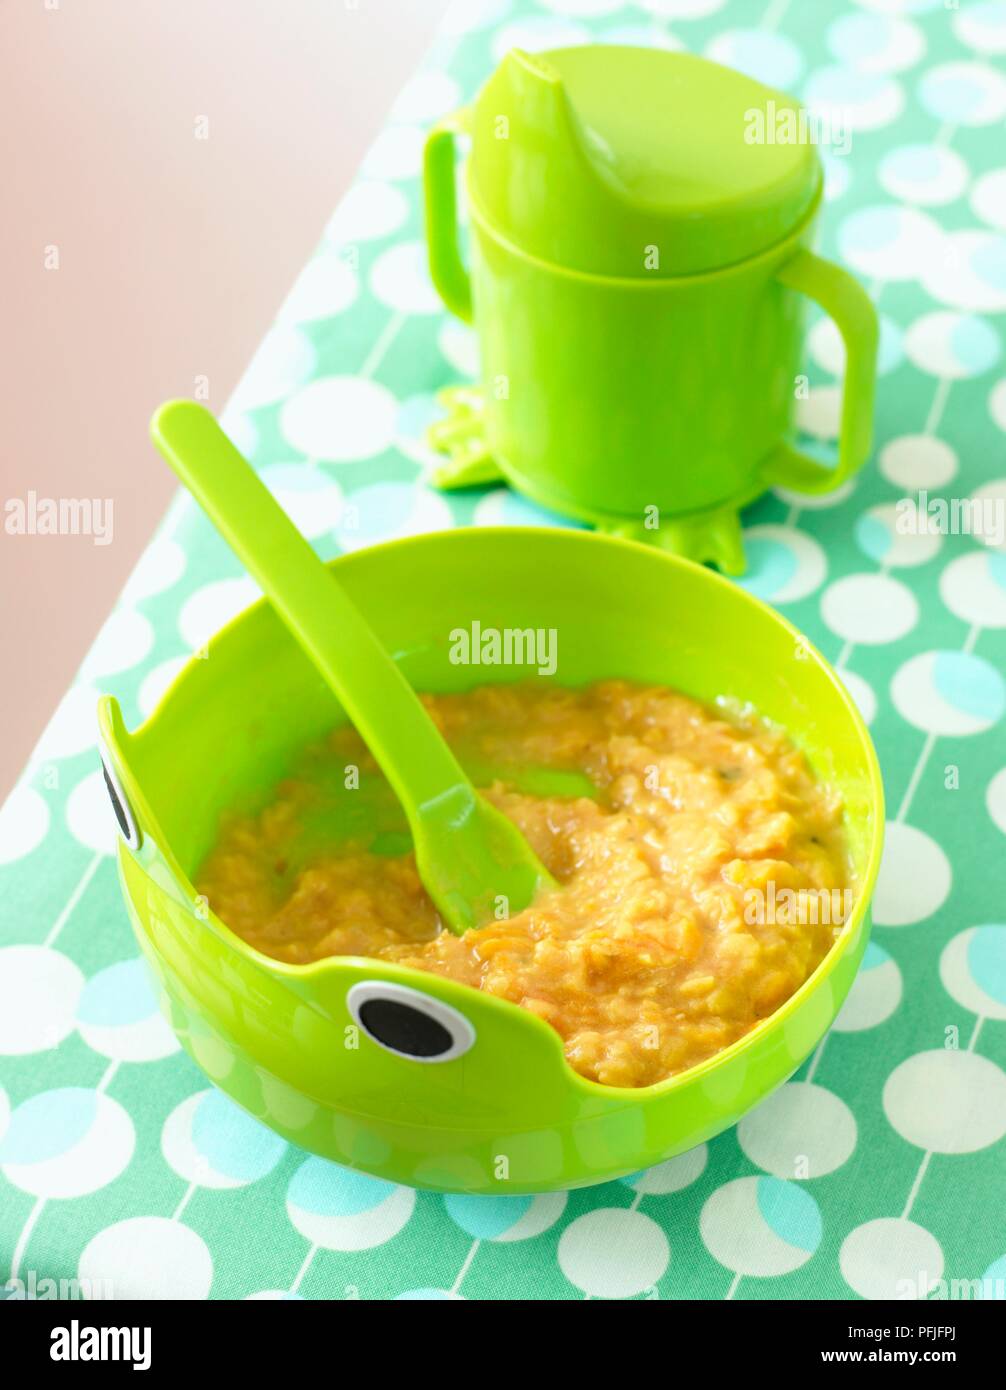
pixel 174 252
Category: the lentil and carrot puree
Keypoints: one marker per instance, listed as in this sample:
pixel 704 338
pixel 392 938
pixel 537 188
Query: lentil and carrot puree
pixel 665 940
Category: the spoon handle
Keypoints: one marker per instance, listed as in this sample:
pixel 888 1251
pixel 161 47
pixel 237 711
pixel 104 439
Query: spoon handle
pixel 371 689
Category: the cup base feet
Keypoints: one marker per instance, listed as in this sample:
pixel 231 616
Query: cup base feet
pixel 711 537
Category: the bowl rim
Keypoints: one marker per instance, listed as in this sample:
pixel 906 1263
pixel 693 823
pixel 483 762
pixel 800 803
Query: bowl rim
pixel 112 724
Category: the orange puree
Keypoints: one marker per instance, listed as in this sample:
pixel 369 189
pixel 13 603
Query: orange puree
pixel 700 885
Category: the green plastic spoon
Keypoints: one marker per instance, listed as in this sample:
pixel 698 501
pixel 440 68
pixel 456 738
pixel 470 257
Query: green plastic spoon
pixel 470 856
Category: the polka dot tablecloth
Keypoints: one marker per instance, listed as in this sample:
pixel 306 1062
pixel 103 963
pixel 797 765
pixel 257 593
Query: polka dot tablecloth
pixel 878 1170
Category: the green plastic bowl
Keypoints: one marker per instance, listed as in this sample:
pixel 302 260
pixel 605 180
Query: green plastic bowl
pixel 499 1110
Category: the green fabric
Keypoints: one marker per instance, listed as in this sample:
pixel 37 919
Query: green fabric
pixel 882 1161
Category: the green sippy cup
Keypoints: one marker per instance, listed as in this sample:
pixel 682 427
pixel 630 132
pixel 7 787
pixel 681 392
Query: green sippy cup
pixel 640 233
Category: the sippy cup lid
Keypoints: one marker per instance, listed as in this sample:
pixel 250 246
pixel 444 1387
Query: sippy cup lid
pixel 627 161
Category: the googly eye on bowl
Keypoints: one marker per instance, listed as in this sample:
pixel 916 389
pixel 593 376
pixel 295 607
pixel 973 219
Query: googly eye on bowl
pixel 124 819
pixel 408 1022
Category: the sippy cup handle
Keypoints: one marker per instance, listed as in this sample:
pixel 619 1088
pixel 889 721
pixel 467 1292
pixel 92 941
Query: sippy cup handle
pixel 446 266
pixel 843 298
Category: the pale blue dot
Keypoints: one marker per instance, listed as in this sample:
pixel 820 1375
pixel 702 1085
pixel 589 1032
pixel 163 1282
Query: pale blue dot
pixel 48 1125
pixel 970 684
pixel 516 510
pixel 988 262
pixel 823 451
pixel 639 36
pixel 294 477
pixel 856 36
pixel 770 566
pixel 889 351
pixel 873 537
pixel 987 961
pixel 874 956
pixel 989 17
pixel 790 1212
pixel 241 431
pixel 770 58
pixel 326 1189
pixel 918 164
pixel 117 996
pixel 870 229
pixel 415 414
pixel 423 1296
pixel 974 344
pixel 382 509
pixel 328 546
pixel 994 1280
pixel 485 1218
pixel 949 97
pixel 232 1142
pixel 997 567
pixel 839 86
pixel 837 175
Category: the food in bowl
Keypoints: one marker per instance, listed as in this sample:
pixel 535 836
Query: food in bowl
pixel 702 879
